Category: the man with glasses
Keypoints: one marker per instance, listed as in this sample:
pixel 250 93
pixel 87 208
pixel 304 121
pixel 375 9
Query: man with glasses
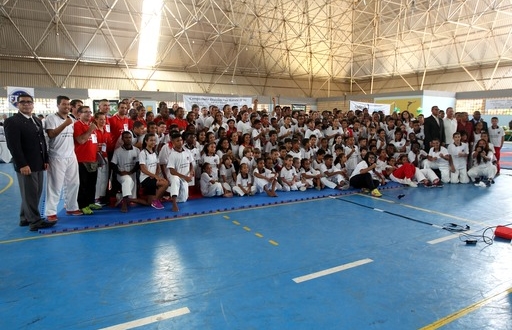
pixel 26 142
pixel 86 148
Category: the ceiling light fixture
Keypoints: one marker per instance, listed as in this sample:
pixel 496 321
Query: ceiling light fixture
pixel 150 32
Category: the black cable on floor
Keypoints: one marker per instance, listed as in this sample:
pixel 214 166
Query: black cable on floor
pixel 451 227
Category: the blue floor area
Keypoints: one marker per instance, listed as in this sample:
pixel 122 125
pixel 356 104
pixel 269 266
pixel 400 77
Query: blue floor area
pixel 235 269
pixel 112 217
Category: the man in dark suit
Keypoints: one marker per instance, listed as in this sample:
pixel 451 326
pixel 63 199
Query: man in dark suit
pixel 433 128
pixel 26 142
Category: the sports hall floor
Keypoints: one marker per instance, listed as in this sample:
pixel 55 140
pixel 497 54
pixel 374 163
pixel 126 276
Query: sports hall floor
pixel 337 262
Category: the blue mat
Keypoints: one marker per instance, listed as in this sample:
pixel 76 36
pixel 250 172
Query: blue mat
pixel 110 216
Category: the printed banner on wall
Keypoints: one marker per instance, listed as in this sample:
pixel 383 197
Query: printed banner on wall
pixel 385 108
pixel 219 101
pixel 12 95
pixel 399 105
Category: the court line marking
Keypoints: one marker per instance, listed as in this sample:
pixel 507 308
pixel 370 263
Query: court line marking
pixel 420 209
pixel 449 237
pixel 145 223
pixel 452 317
pixel 9 184
pixel 149 319
pixel 332 270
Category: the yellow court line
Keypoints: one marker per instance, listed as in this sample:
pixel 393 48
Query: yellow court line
pixel 247 228
pixel 40 236
pixel 452 317
pixel 273 242
pixel 9 184
pixel 259 235
pixel 422 209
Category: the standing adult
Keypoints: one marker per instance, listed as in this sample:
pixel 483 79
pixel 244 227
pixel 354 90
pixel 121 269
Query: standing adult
pixel 75 105
pixel 26 142
pixel 119 123
pixel 477 117
pixel 433 128
pixel 86 149
pixel 63 166
pixel 105 147
pixel 450 126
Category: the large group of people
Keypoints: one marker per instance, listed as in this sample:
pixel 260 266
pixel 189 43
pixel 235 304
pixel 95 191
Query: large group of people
pixel 134 156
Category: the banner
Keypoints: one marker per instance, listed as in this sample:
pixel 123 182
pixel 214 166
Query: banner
pixel 12 95
pixel 385 108
pixel 219 101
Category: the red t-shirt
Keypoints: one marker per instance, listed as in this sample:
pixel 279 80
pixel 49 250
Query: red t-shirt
pixel 105 142
pixel 85 152
pixel 182 123
pixel 118 125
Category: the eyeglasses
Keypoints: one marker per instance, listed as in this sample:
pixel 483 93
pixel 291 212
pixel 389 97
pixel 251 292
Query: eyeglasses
pixel 26 102
pixel 86 112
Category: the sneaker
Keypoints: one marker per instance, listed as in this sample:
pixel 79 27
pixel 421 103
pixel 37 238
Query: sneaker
pixel 345 186
pixel 75 212
pixel 302 188
pixel 376 193
pixel 157 205
pixel 95 206
pixel 427 183
pixel 480 184
pixel 488 183
pixel 52 218
pixel 365 191
pixel 87 211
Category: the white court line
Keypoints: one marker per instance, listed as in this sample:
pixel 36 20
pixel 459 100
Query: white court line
pixel 449 237
pixel 331 270
pixel 149 319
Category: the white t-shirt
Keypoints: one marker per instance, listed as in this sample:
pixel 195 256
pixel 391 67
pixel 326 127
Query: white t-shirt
pixel 459 162
pixel 214 161
pixel 180 161
pixel 495 135
pixel 150 159
pixel 125 159
pixel 244 127
pixel 440 161
pixel 359 167
pixel 244 182
pixel 288 174
pixel 228 173
pixel 63 145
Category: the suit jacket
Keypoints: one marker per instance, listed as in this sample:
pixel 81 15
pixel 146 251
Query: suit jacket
pixel 432 131
pixel 26 142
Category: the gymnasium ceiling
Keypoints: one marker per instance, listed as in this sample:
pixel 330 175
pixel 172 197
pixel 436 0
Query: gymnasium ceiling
pixel 317 40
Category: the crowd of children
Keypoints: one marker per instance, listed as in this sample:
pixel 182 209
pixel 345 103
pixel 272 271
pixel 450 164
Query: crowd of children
pixel 243 152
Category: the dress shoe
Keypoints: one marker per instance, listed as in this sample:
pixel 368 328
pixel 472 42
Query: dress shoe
pixel 24 223
pixel 40 225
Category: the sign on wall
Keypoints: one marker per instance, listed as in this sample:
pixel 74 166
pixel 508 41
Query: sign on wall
pixel 385 108
pixel 219 101
pixel 12 95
